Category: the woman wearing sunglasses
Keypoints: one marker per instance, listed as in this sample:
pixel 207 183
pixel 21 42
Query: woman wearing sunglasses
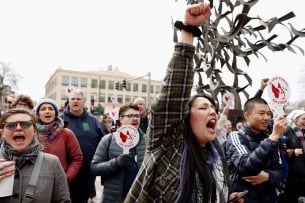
pixel 20 147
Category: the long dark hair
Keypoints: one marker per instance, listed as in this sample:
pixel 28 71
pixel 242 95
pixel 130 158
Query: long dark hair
pixel 199 161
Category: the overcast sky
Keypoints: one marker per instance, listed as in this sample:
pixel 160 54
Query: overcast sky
pixel 136 36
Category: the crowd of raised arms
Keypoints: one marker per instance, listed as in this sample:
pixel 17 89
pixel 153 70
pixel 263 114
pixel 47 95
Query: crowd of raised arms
pixel 186 150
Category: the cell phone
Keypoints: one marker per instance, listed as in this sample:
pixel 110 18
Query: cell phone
pixel 240 195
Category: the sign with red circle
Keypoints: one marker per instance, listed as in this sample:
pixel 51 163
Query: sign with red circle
pixel 69 90
pixel 127 137
pixel 228 98
pixel 278 90
pixel 279 94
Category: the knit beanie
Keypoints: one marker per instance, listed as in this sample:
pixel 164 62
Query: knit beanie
pixel 294 114
pixel 48 101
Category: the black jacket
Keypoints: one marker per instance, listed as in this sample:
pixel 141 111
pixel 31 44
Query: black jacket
pixel 249 153
pixel 296 163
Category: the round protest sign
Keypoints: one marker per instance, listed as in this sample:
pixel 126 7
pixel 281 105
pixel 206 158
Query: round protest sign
pixel 228 98
pixel 127 137
pixel 279 93
pixel 69 90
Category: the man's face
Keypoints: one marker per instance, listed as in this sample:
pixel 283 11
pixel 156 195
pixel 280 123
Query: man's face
pixel 8 104
pixel 142 108
pixel 76 102
pixel 300 121
pixel 259 118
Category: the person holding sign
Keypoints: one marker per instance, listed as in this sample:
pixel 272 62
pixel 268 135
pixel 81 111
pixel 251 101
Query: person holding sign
pixel 119 155
pixel 253 154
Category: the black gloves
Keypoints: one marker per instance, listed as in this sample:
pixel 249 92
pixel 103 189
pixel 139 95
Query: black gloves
pixel 124 160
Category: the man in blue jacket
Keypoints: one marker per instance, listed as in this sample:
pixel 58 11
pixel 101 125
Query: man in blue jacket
pixel 253 155
pixel 89 132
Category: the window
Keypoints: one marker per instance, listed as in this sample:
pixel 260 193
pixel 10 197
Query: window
pixel 158 88
pixel 74 81
pixel 83 82
pixel 127 99
pixel 93 99
pixel 151 89
pixel 63 95
pixel 102 98
pixel 103 84
pixel 144 88
pixel 94 83
pixel 128 86
pixel 110 85
pixel 120 99
pixel 110 98
pixel 65 80
pixel 135 87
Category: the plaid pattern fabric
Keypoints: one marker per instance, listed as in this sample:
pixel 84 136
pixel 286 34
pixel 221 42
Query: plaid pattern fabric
pixel 159 176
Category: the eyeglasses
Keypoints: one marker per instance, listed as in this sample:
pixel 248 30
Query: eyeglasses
pixel 131 115
pixel 13 125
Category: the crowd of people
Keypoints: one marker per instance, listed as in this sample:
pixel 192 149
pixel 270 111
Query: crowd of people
pixel 180 149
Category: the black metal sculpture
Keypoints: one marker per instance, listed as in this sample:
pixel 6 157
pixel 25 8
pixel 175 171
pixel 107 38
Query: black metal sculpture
pixel 217 48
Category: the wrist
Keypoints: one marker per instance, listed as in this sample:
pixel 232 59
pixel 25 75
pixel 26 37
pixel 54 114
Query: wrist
pixel 188 28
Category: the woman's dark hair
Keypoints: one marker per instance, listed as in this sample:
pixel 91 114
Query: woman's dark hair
pixel 208 97
pixel 199 161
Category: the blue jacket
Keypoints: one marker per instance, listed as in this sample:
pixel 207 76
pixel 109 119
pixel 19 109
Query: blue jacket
pixel 88 131
pixel 249 153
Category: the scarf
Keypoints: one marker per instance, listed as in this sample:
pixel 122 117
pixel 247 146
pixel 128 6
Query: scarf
pixel 49 131
pixel 21 156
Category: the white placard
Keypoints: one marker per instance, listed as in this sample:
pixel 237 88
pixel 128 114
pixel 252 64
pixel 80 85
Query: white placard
pixel 279 93
pixel 7 184
pixel 127 137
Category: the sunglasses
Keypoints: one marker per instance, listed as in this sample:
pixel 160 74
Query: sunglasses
pixel 13 125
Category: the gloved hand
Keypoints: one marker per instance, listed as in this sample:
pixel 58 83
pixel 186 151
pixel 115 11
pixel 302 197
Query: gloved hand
pixel 124 160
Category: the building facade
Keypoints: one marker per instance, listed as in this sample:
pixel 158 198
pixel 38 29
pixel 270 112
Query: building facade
pixel 102 88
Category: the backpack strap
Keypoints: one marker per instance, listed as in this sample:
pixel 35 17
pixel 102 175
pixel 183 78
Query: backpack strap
pixel 64 135
pixel 30 188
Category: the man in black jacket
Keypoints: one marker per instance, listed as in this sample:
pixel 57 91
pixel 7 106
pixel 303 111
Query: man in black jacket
pixel 253 155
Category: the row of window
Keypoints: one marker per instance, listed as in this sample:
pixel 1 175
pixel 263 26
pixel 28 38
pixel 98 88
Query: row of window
pixel 109 85
pixel 103 98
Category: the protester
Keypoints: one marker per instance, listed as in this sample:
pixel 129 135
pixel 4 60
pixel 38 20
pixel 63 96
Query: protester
pixel 117 169
pixel 89 132
pixel 183 160
pixel 21 147
pixel 228 127
pixel 23 101
pixel 143 112
pixel 221 133
pixel 56 139
pixel 295 156
pixel 107 123
pixel 260 91
pixel 253 155
pixel 8 102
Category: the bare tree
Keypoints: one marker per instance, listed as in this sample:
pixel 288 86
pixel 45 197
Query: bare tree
pixel 8 79
pixel 228 38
